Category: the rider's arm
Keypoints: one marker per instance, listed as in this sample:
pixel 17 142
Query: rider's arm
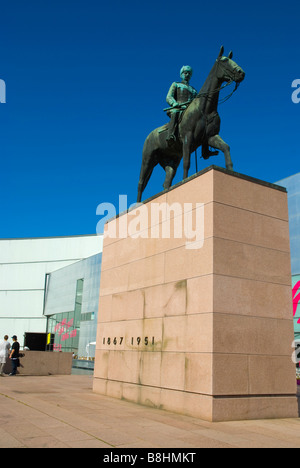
pixel 194 93
pixel 171 95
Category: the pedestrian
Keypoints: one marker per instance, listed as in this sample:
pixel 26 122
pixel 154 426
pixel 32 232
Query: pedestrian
pixel 14 355
pixel 4 352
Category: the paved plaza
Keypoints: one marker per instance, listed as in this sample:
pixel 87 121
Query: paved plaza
pixel 62 411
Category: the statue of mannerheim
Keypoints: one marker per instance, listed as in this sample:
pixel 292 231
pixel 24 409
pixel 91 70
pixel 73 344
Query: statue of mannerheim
pixel 194 122
pixel 179 97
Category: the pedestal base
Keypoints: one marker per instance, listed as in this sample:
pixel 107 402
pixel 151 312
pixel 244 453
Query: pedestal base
pixel 209 408
pixel 198 319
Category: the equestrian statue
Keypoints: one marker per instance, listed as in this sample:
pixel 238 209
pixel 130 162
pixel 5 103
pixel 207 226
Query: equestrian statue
pixel 194 122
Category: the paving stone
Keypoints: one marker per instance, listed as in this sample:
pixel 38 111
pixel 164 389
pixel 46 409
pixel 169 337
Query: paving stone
pixel 63 412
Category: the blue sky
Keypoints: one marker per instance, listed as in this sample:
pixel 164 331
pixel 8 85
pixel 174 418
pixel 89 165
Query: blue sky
pixel 87 81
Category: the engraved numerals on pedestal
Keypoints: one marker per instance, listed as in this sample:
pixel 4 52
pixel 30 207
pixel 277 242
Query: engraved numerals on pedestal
pixel 133 341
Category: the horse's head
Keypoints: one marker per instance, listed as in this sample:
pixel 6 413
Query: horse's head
pixel 227 69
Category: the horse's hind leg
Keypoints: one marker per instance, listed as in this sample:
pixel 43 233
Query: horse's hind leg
pixel 148 165
pixel 217 142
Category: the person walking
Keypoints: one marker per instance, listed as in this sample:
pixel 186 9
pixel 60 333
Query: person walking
pixel 4 352
pixel 14 355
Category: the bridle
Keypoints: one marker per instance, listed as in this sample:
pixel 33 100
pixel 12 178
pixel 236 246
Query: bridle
pixel 231 80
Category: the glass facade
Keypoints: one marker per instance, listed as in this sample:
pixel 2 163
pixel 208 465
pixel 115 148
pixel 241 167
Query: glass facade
pixel 296 305
pixel 63 336
pixel 65 328
pixel 292 184
pixel 71 307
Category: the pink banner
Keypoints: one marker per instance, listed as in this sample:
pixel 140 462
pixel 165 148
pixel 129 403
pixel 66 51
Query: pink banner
pixel 296 298
pixel 63 330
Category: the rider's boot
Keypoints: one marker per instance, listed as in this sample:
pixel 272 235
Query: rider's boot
pixel 207 153
pixel 171 137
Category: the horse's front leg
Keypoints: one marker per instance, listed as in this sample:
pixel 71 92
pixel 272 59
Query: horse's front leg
pixel 186 152
pixel 217 143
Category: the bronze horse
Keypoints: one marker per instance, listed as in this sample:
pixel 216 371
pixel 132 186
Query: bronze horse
pixel 200 123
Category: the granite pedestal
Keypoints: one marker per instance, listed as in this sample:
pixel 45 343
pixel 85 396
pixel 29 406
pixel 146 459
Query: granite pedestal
pixel 200 323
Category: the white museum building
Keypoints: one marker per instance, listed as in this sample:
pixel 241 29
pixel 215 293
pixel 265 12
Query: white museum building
pixel 25 269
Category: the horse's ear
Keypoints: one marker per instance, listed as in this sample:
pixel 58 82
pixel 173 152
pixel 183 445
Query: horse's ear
pixel 230 55
pixel 221 51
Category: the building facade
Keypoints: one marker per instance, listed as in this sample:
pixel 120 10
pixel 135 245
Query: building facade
pixel 25 265
pixel 71 307
pixel 292 184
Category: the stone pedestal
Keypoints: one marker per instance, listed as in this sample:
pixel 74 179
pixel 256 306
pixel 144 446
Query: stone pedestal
pixel 200 323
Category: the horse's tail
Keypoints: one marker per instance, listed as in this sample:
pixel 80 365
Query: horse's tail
pixel 149 161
